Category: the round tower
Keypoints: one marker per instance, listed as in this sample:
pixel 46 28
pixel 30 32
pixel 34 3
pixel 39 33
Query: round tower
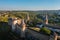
pixel 23 29
pixel 23 25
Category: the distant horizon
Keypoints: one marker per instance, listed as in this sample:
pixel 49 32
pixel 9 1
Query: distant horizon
pixel 28 10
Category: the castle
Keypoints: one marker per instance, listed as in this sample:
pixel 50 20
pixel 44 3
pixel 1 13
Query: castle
pixel 18 25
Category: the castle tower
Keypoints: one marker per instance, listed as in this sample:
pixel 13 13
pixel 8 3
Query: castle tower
pixel 23 29
pixel 10 23
pixel 14 22
pixel 46 20
pixel 23 25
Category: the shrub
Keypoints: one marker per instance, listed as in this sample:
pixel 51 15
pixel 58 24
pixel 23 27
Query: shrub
pixel 45 30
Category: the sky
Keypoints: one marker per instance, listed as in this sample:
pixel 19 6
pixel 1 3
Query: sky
pixel 29 4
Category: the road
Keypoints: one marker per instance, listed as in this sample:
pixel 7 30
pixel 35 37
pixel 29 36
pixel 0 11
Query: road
pixel 37 35
pixel 52 26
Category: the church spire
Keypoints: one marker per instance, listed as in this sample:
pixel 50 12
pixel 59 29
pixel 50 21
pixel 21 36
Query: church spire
pixel 46 19
pixel 28 17
pixel 23 22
